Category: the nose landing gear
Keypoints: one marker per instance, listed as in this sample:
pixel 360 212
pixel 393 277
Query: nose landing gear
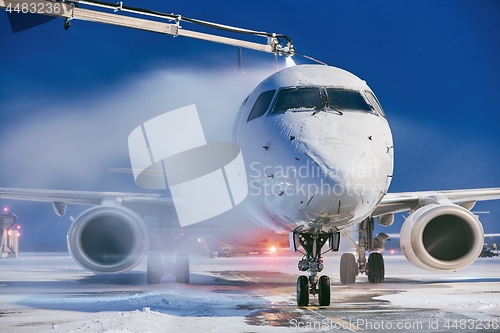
pixel 312 241
pixel 312 262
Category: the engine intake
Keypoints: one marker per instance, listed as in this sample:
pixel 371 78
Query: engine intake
pixel 441 237
pixel 108 239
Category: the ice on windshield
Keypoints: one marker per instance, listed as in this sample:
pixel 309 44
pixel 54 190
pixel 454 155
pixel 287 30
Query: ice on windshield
pixel 347 100
pixel 313 99
pixel 261 105
pixel 374 101
pixel 298 99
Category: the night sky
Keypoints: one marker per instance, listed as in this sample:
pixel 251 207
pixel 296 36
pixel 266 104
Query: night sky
pixel 69 99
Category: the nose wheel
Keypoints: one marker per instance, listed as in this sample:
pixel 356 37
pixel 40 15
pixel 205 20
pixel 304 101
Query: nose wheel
pixel 312 263
pixel 302 291
pixel 323 290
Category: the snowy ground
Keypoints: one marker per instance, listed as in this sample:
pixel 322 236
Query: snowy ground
pixel 50 293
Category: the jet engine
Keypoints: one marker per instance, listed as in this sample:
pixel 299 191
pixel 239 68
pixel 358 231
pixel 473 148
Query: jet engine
pixel 108 239
pixel 441 237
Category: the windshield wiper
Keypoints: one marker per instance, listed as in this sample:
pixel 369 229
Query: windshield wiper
pixel 340 113
pixel 328 110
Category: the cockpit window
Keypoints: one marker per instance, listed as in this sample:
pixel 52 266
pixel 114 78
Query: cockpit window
pixel 298 99
pixel 261 105
pixel 339 99
pixel 373 99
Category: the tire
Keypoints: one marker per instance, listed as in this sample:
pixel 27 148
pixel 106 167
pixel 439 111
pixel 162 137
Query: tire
pixel 348 269
pixel 324 290
pixel 376 270
pixel 182 268
pixel 154 269
pixel 302 291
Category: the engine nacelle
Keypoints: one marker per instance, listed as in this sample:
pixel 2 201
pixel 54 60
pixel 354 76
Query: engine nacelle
pixel 441 237
pixel 108 239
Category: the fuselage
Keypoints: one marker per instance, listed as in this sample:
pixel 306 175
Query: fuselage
pixel 317 148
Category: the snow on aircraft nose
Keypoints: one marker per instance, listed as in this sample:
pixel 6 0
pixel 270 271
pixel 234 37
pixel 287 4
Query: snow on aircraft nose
pixel 317 146
pixel 337 162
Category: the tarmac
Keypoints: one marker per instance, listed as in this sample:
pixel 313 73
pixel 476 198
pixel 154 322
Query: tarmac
pixel 253 293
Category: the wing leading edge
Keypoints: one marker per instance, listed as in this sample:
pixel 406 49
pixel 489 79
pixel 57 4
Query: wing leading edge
pixel 85 198
pixel 405 201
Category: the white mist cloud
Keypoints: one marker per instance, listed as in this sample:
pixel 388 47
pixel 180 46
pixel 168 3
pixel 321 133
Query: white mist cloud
pixel 70 144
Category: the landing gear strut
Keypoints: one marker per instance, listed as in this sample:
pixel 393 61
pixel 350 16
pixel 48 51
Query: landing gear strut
pixel 156 268
pixel 312 262
pixel 374 268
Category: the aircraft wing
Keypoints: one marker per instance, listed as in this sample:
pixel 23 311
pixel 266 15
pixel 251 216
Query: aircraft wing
pixel 405 201
pixel 86 198
pixel 485 235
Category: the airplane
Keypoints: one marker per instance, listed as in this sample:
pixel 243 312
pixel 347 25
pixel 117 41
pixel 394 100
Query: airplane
pixel 318 154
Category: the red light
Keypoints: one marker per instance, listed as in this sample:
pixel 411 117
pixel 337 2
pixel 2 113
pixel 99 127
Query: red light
pixel 5 209
pixel 321 259
pixel 393 251
pixel 18 227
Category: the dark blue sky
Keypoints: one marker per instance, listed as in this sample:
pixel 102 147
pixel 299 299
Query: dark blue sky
pixel 434 66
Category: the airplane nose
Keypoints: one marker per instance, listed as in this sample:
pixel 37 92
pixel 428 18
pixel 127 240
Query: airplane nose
pixel 325 169
pixel 340 165
pixel 329 186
